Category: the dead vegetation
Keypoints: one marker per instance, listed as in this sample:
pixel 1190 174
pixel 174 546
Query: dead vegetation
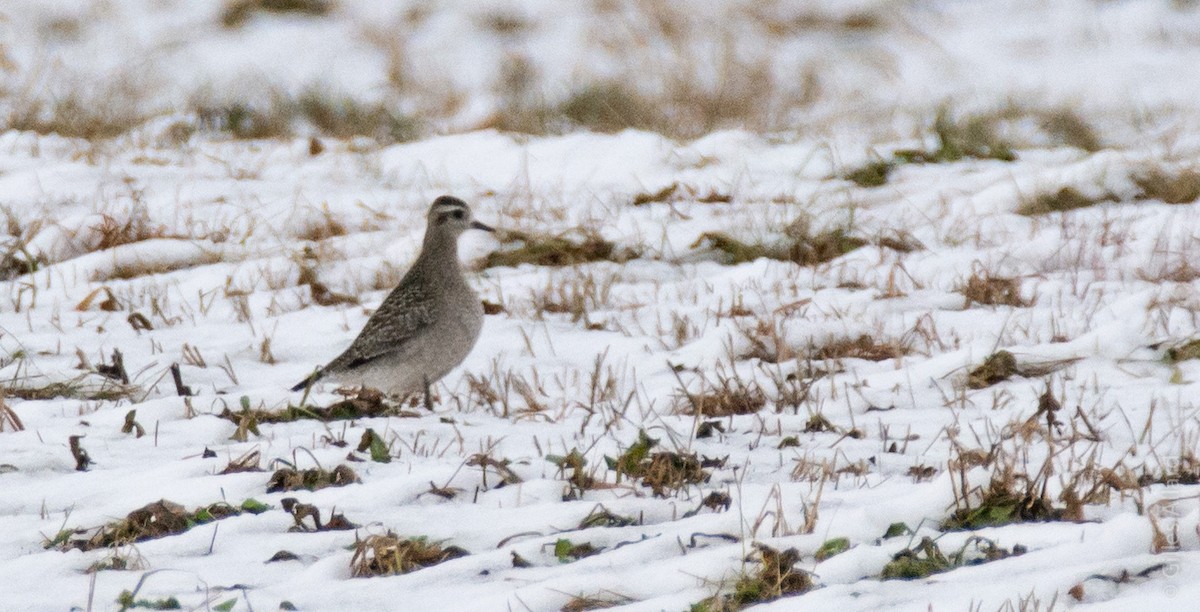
pixel 291 479
pixel 78 388
pixel 678 193
pixel 8 417
pixel 728 396
pixel 1010 497
pixel 357 404
pixel 1183 351
pixel 1181 186
pixel 863 347
pixel 306 518
pixel 926 558
pixel 800 246
pixel 155 520
pixel 1063 200
pixel 1003 365
pixel 957 138
pixel 314 110
pixel 665 472
pixel 774 578
pixel 983 288
pixel 237 12
pixel 769 346
pixel 596 601
pixel 562 250
pixel 391 555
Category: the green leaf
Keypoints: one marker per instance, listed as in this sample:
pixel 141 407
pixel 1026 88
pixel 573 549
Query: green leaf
pixel 253 506
pixel 225 606
pixel 835 546
pixel 379 450
pixel 562 550
pixel 896 529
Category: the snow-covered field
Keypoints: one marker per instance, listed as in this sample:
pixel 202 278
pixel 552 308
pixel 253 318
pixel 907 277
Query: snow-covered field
pixel 836 395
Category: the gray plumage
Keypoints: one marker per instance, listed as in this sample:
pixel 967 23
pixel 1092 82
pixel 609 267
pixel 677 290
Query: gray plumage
pixel 426 326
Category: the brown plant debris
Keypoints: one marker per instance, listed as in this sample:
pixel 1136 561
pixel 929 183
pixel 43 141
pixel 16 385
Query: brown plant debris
pixel 358 404
pixel 596 601
pixel 389 555
pixel 248 462
pixel 132 426
pixel 155 520
pixel 322 295
pixel 1183 352
pixel 775 577
pixel 982 288
pixel 1002 365
pixel 545 250
pixel 926 558
pixel 82 460
pixel 1010 497
pixel 579 479
pixel 662 195
pixel 862 347
pixel 289 479
pixel 301 512
pixel 998 367
pixel 1063 200
pixel 800 247
pixel 662 471
pixel 237 12
pixel 1180 187
pixel 731 397
pixel 8 417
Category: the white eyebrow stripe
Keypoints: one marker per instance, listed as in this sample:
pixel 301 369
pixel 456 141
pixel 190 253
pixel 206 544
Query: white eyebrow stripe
pixel 443 208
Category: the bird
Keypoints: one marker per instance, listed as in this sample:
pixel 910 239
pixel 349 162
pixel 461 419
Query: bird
pixel 426 326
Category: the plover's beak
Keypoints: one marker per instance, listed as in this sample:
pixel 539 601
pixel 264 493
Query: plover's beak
pixel 482 226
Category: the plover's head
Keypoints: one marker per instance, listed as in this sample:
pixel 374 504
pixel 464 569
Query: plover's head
pixel 450 216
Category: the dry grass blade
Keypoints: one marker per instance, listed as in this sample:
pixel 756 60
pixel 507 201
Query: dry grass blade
pixel 8 417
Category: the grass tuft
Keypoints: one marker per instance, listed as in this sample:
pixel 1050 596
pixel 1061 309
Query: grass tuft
pixel 664 471
pixel 609 106
pixel 802 248
pixel 155 520
pixel 998 367
pixel 926 558
pixel 1181 187
pixel 776 577
pixel 543 250
pixel 1063 200
pixel 238 12
pixel 982 288
pixel 391 555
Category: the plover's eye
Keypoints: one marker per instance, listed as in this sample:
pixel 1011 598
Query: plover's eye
pixel 458 214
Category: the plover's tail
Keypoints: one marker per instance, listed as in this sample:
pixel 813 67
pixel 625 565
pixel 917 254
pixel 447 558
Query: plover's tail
pixel 307 382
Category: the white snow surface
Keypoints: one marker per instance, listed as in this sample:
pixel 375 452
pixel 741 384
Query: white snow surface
pixel 583 357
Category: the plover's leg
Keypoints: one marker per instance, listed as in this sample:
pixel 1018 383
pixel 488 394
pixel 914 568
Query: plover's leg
pixel 428 396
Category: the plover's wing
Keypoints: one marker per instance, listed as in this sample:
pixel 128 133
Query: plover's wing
pixel 403 315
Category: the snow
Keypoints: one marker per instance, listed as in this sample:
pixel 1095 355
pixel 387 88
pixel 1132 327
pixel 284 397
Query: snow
pixel 219 229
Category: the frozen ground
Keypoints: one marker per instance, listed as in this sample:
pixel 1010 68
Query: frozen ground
pixel 865 405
